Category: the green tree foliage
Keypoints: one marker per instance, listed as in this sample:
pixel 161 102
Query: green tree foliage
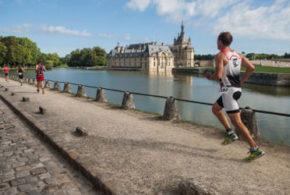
pixel 50 59
pixel 287 55
pixel 19 50
pixel 3 50
pixel 87 57
pixel 204 57
pixel 262 56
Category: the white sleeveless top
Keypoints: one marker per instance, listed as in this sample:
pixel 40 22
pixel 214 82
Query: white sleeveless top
pixel 231 73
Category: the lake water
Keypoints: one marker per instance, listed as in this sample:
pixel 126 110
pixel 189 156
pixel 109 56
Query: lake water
pixel 272 128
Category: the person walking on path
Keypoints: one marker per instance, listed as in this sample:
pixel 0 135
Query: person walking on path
pixel 39 69
pixel 227 70
pixel 6 72
pixel 20 72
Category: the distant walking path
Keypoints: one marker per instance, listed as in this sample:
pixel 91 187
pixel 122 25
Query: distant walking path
pixel 130 152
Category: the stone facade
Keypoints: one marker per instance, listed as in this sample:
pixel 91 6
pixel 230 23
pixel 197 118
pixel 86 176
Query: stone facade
pixel 182 50
pixel 152 57
pixel 148 57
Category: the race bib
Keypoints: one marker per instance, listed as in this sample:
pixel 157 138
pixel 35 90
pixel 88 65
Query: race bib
pixel 224 89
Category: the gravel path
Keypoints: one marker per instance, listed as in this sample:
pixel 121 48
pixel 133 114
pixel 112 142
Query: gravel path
pixel 136 153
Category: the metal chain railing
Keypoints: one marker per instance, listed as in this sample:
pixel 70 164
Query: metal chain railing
pixel 165 97
pixel 178 99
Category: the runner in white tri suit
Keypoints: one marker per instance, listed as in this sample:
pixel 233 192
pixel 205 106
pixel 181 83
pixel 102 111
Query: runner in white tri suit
pixel 230 82
pixel 227 70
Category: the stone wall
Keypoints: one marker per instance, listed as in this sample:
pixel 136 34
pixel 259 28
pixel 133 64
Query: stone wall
pixel 272 63
pixel 280 80
pixel 203 63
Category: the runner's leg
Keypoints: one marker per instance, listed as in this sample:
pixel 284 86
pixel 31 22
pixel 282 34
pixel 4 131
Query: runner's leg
pixel 42 87
pixel 217 111
pixel 239 125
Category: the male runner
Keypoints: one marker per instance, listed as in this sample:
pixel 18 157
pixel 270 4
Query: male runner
pixel 228 64
pixel 39 69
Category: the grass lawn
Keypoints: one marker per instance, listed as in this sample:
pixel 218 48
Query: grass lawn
pixel 265 69
pixel 259 69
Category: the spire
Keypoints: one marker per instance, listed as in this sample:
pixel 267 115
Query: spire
pixel 182 28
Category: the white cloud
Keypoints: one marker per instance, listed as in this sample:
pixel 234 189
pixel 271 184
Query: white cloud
pixel 19 29
pixel 140 5
pixel 105 35
pixel 248 18
pixel 175 10
pixel 62 30
pixel 264 22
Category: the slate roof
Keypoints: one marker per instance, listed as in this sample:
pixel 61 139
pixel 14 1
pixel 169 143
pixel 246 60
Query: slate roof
pixel 142 49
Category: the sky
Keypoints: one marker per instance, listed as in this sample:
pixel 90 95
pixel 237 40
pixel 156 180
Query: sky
pixel 61 26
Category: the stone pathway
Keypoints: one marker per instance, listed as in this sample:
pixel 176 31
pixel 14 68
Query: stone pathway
pixel 28 166
pixel 130 152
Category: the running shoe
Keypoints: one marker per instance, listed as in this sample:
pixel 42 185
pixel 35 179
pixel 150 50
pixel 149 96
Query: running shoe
pixel 254 154
pixel 230 138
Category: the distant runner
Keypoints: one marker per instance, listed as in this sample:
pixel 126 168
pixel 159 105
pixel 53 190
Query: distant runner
pixel 20 72
pixel 228 64
pixel 39 69
pixel 6 72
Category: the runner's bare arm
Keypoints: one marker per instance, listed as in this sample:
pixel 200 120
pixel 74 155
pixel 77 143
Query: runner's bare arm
pixel 218 73
pixel 250 68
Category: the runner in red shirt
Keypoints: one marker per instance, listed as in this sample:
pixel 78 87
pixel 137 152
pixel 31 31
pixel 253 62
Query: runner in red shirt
pixel 6 72
pixel 39 69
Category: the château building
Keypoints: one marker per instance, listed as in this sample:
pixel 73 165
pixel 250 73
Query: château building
pixel 152 57
pixel 143 56
pixel 182 50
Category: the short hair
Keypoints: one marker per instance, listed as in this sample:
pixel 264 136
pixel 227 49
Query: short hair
pixel 226 38
pixel 38 62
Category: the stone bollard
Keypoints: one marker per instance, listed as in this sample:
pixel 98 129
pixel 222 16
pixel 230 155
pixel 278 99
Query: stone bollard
pixel 191 186
pixel 42 110
pixel 80 131
pixel 250 120
pixel 12 93
pixel 128 101
pixel 56 86
pixel 170 110
pixel 25 99
pixel 30 81
pixel 67 88
pixel 47 84
pixel 6 89
pixel 101 96
pixel 81 91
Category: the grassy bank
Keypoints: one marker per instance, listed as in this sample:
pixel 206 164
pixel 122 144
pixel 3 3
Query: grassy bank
pixel 265 69
pixel 259 69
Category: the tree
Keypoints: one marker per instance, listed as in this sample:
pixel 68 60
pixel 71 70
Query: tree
pixel 87 57
pixel 20 50
pixel 3 51
pixel 286 55
pixel 204 57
